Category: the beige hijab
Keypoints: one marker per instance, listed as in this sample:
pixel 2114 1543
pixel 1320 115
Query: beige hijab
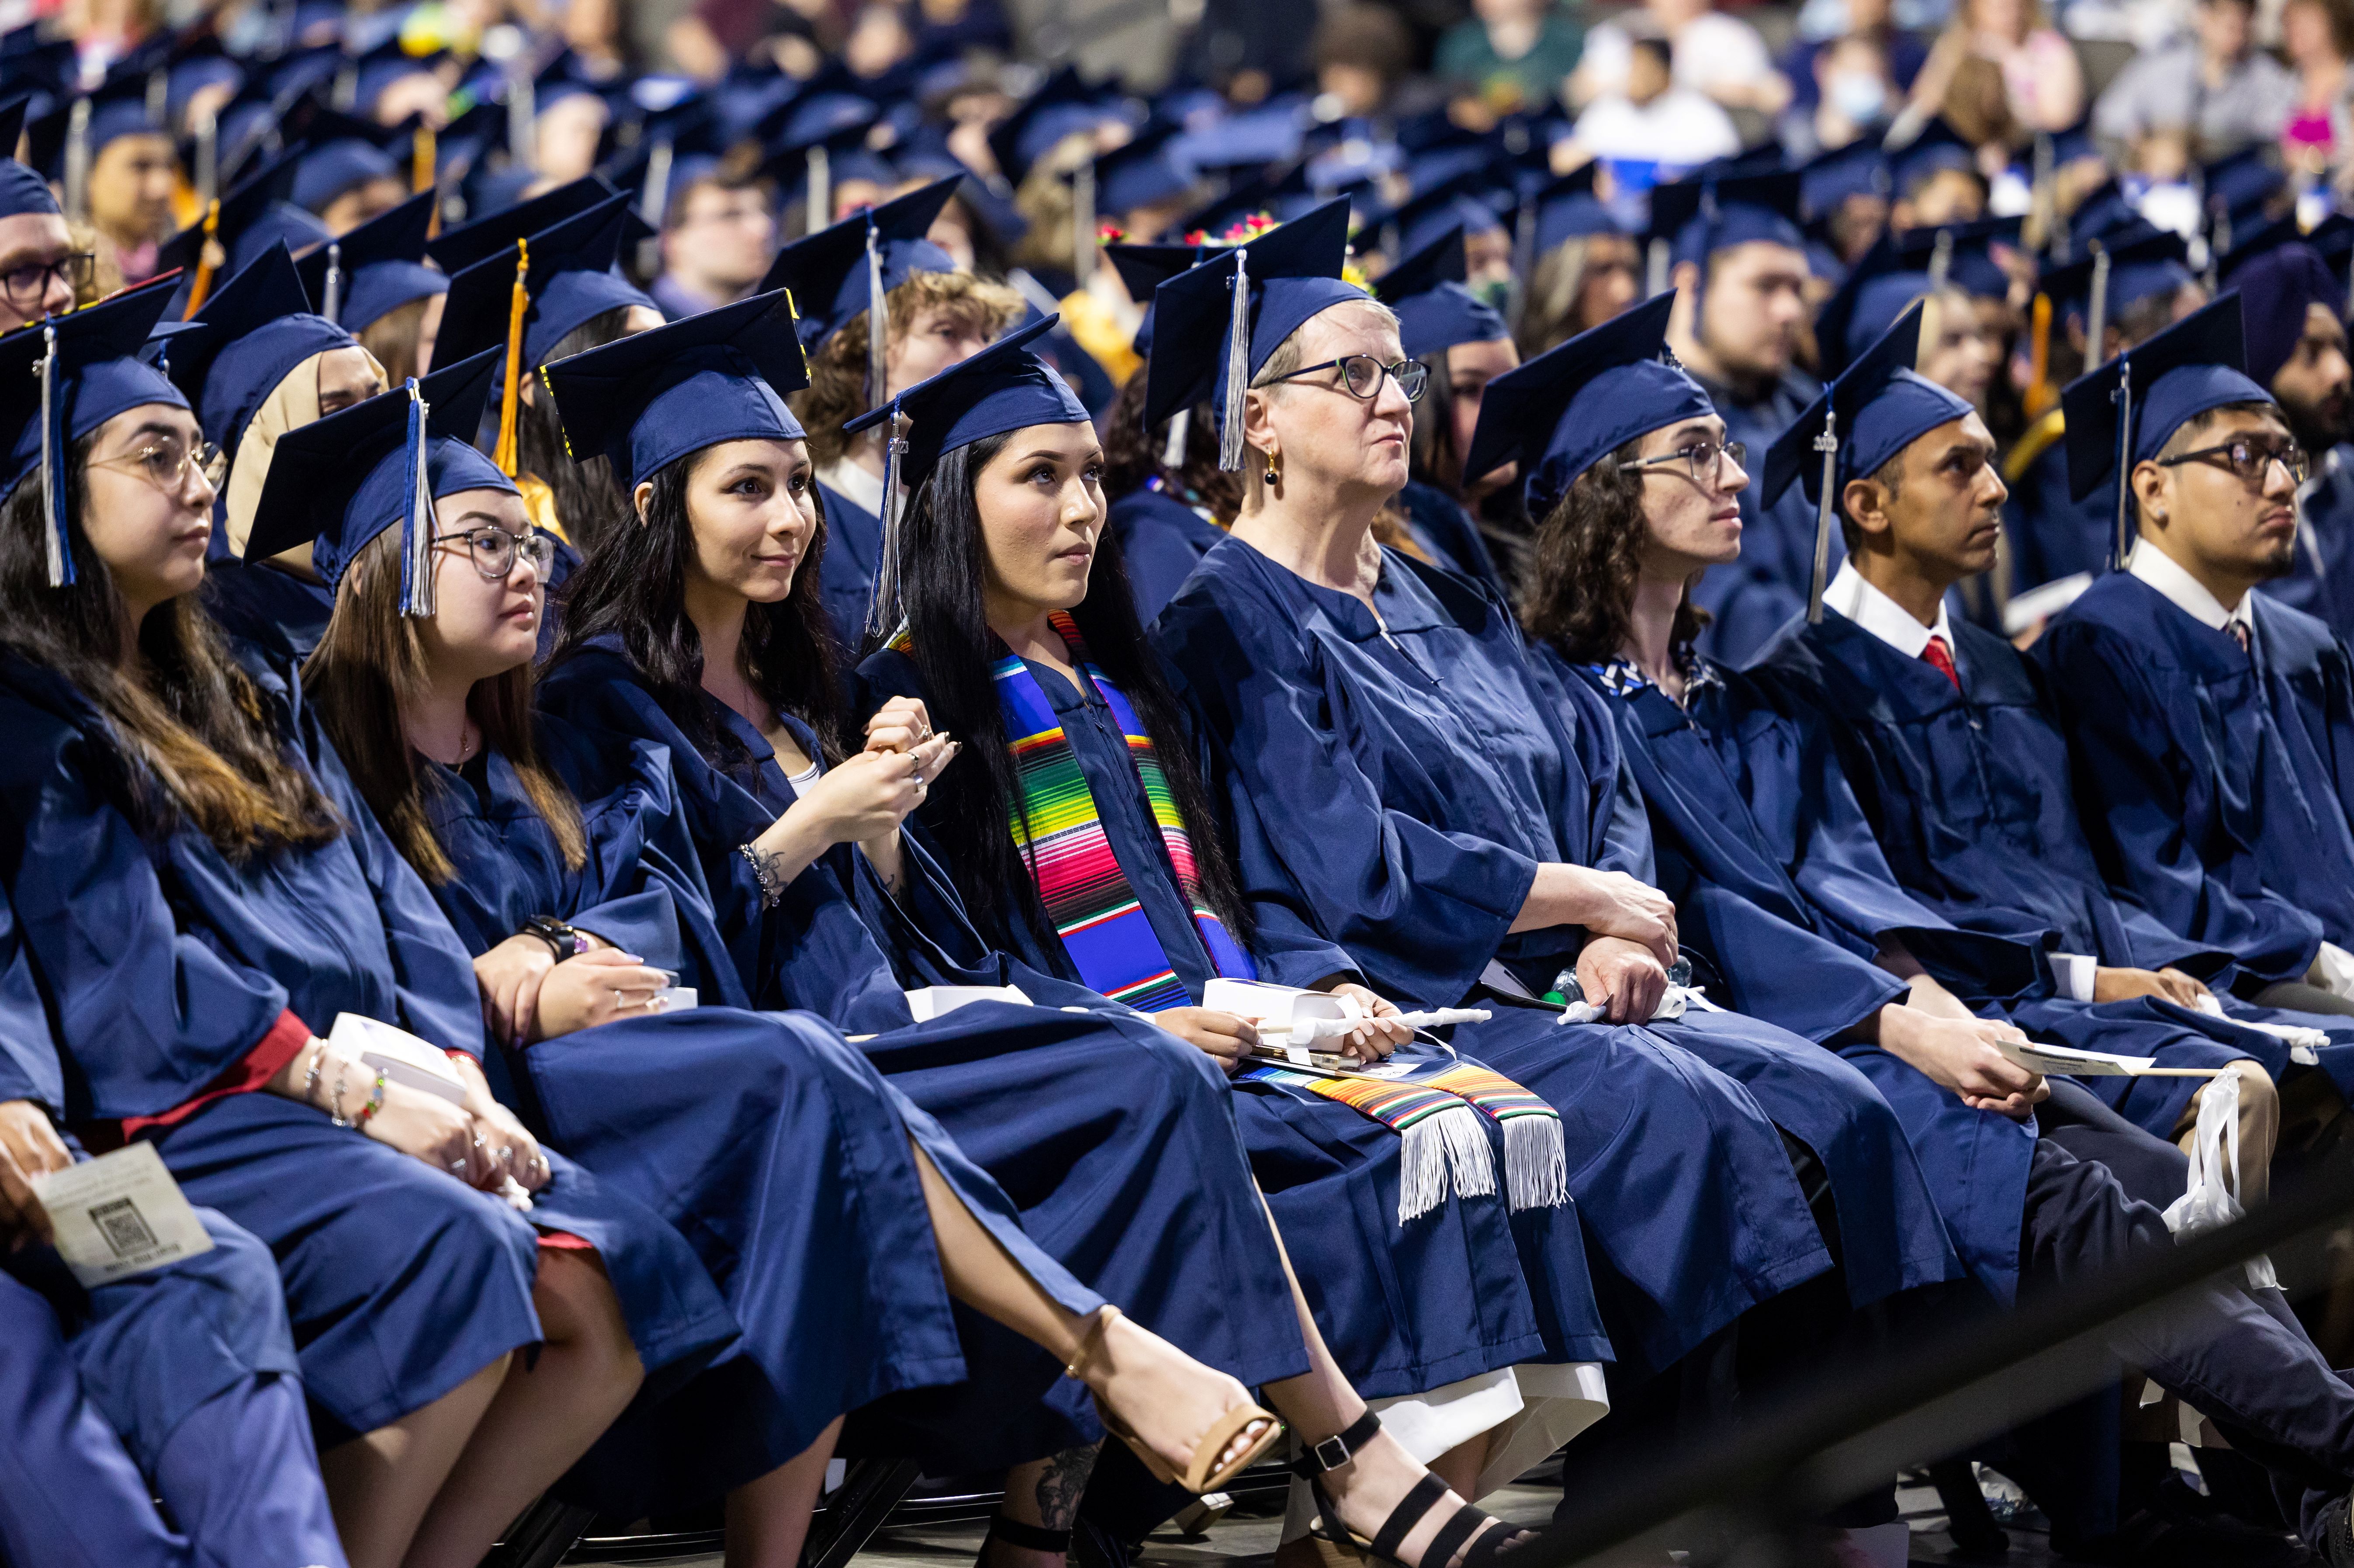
pixel 291 404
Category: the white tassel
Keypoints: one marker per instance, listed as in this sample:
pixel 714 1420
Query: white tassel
pixel 1230 439
pixel 421 596
pixel 54 540
pixel 2124 399
pixel 330 305
pixel 1422 1171
pixel 1536 1162
pixel 818 204
pixel 882 610
pixel 1828 444
pixel 1470 1158
pixel 1181 430
pixel 1941 261
pixel 879 324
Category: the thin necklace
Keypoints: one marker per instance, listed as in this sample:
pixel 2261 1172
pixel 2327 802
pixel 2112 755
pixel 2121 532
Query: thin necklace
pixel 466 743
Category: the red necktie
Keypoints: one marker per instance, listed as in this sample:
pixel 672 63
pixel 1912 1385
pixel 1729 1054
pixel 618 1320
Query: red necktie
pixel 1941 659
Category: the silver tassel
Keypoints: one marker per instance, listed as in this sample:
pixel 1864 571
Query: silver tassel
pixel 1941 261
pixel 331 303
pixel 878 321
pixel 817 207
pixel 883 614
pixel 421 596
pixel 2096 320
pixel 1181 430
pixel 1230 439
pixel 1828 444
pixel 1655 269
pixel 53 541
pixel 207 158
pixel 659 159
pixel 78 162
pixel 2123 398
pixel 1083 222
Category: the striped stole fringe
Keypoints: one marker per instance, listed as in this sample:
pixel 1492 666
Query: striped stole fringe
pixel 1439 1134
pixel 1536 1164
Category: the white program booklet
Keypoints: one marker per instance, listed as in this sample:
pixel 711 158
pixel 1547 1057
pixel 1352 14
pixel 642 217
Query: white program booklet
pixel 399 1055
pixel 932 1001
pixel 120 1214
pixel 2049 1059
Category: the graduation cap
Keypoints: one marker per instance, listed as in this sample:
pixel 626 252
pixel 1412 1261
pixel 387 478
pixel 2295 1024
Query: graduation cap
pixel 1869 412
pixel 201 63
pixel 245 222
pixel 1461 203
pixel 388 62
pixel 1241 146
pixel 1435 310
pixel 63 377
pixel 1004 387
pixel 2240 187
pixel 1063 106
pixel 2125 411
pixel 251 333
pixel 1859 168
pixel 2124 268
pixel 376 267
pixel 1139 173
pixel 66 141
pixel 461 247
pixel 1217 323
pixel 21 190
pixel 649 400
pixel 1575 403
pixel 1142 270
pixel 1568 209
pixel 339 154
pixel 1937 148
pixel 1235 216
pixel 1713 212
pixel 1962 254
pixel 1876 291
pixel 337 483
pixel 2103 210
pixel 853 265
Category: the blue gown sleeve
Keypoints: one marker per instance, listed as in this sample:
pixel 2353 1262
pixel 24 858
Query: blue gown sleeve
pixel 1431 908
pixel 29 1068
pixel 2131 774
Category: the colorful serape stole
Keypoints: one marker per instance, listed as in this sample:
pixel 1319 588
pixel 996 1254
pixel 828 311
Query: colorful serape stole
pixel 1093 908
pixel 1536 1163
pixel 1438 1134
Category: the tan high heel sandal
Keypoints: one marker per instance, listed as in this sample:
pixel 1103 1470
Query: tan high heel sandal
pixel 1205 1473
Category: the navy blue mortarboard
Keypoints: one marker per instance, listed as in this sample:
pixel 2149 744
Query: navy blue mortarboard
pixel 1217 323
pixel 649 400
pixel 1229 218
pixel 1435 310
pixel 1937 148
pixel 1962 254
pixel 340 153
pixel 1859 168
pixel 1712 212
pixel 839 123
pixel 1142 270
pixel 21 190
pixel 119 108
pixel 2276 290
pixel 1568 209
pixel 1242 144
pixel 1004 387
pixel 2103 210
pixel 854 265
pixel 2125 411
pixel 1063 106
pixel 1869 412
pixel 376 267
pixel 249 221
pixel 387 63
pixel 2141 262
pixel 2284 230
pixel 461 247
pixel 256 328
pixel 1140 173
pixel 337 483
pixel 2240 187
pixel 63 377
pixel 1880 304
pixel 1575 403
pixel 1461 202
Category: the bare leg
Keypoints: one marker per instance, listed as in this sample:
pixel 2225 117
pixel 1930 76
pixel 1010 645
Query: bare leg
pixel 769 1518
pixel 544 1418
pixel 1043 1493
pixel 1460 1466
pixel 1167 1397
pixel 380 1483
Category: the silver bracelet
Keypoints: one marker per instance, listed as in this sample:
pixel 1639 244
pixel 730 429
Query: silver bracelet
pixel 764 873
pixel 311 1078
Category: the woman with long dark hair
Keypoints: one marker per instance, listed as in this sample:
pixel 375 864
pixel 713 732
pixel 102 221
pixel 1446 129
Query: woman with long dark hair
pixel 201 891
pixel 699 627
pixel 540 839
pixel 1080 835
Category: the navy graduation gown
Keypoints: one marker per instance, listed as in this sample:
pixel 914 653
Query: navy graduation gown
pixel 2215 786
pixel 853 553
pixel 1748 599
pixel 258 603
pixel 1405 1307
pixel 1115 1140
pixel 1161 541
pixel 177 972
pixel 2321 583
pixel 720 1120
pixel 1449 536
pixel 1395 785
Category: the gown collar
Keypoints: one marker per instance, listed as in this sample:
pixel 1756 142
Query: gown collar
pixel 1882 616
pixel 2187 593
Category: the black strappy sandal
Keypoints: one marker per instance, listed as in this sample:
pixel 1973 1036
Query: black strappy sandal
pixel 1428 1493
pixel 1028 1537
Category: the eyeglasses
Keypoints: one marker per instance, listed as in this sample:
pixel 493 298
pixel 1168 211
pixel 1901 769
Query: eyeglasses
pixel 165 463
pixel 1360 376
pixel 2249 459
pixel 1701 459
pixel 25 287
pixel 494 550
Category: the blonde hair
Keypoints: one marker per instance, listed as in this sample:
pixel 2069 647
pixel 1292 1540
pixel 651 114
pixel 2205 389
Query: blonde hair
pixel 837 388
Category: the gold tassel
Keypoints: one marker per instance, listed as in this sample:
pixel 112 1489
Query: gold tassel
pixel 504 455
pixel 2039 363
pixel 203 286
pixel 423 158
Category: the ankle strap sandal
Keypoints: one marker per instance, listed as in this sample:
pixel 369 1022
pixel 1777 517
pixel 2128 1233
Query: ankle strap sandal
pixel 1426 1494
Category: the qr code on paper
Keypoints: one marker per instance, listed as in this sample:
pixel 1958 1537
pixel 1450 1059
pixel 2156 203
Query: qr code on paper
pixel 125 1229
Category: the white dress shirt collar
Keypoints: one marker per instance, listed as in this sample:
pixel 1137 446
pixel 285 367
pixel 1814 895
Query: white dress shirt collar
pixel 1882 616
pixel 2185 592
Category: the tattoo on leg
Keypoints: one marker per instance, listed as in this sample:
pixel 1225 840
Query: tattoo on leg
pixel 1060 1485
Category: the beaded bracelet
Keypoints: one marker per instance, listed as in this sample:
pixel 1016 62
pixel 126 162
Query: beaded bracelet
pixel 763 864
pixel 375 1104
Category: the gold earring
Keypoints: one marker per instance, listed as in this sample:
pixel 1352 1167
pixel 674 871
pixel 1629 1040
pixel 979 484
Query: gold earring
pixel 1272 476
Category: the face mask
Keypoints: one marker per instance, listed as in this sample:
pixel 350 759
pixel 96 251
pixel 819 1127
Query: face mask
pixel 1859 97
pixel 1496 292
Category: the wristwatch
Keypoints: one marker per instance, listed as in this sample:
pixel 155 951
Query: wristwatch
pixel 562 939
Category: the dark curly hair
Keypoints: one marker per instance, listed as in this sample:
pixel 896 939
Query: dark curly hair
pixel 1580 593
pixel 1132 454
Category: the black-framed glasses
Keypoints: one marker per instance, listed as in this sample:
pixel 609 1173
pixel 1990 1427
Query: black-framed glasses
pixel 1360 376
pixel 494 550
pixel 165 461
pixel 1702 459
pixel 27 285
pixel 2249 458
